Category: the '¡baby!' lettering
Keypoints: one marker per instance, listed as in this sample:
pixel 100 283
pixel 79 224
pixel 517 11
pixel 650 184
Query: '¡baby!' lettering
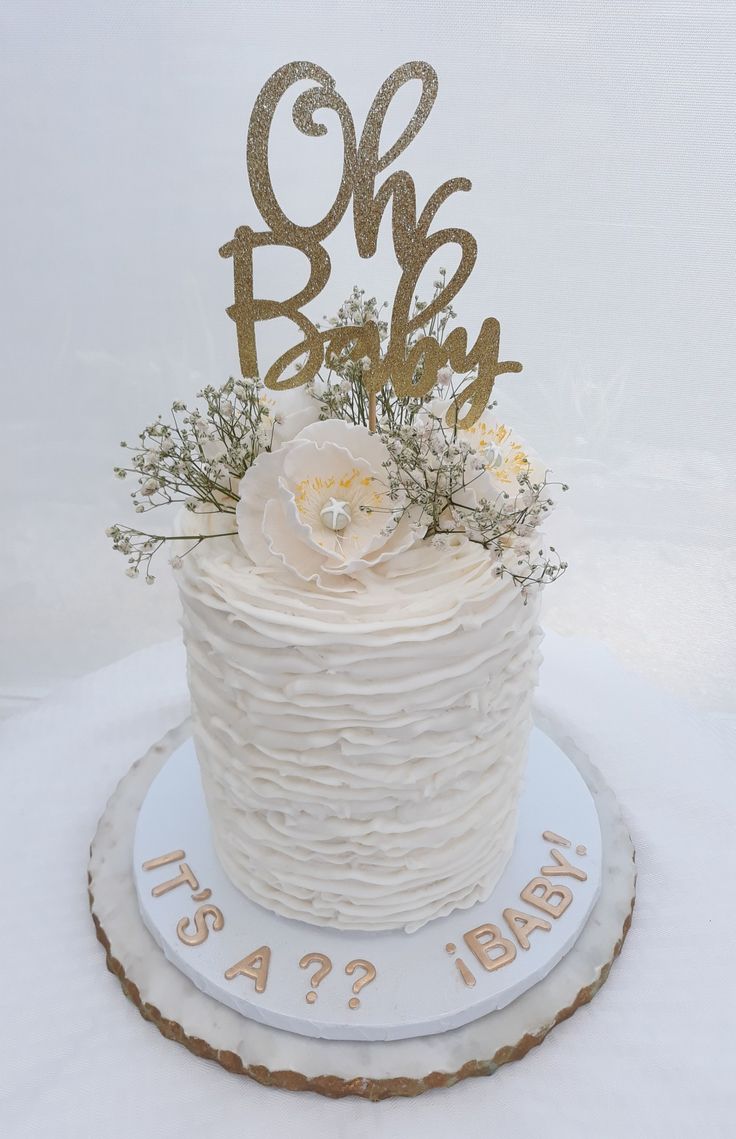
pixel 492 949
pixel 412 372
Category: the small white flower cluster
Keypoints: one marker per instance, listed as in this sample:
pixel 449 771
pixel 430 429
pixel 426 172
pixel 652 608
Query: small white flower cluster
pixel 196 459
pixel 438 480
pixel 461 490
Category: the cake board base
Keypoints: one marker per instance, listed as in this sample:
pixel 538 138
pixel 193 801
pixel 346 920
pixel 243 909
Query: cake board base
pixel 373 1070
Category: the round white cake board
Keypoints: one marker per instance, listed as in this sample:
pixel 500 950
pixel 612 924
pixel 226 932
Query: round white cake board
pixel 374 1070
pixel 357 985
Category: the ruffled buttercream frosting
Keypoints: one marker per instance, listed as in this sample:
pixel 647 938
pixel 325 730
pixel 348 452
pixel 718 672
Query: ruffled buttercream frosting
pixel 361 752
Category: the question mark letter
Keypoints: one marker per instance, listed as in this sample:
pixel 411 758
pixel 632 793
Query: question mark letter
pixel 368 976
pixel 325 967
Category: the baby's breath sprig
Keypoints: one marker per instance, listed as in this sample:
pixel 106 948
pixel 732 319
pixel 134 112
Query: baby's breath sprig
pixel 440 476
pixel 196 459
pixel 140 548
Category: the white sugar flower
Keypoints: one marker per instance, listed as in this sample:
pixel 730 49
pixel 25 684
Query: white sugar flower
pixel 504 457
pixel 494 452
pixel 283 495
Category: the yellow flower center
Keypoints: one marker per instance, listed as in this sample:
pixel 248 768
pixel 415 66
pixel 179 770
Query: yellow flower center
pixel 353 487
pixel 485 436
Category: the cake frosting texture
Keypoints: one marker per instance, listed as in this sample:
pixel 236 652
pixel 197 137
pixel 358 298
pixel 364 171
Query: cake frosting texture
pixel 361 753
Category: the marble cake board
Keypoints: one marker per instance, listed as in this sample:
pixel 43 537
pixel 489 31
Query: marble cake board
pixel 375 1070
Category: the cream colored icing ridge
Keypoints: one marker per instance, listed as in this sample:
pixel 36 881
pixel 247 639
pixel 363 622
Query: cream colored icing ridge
pixel 361 753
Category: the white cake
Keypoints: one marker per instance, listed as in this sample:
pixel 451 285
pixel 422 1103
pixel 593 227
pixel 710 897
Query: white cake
pixel 360 558
pixel 361 750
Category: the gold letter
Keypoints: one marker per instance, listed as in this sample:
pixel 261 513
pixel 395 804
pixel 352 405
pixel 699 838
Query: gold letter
pixel 484 353
pixel 322 97
pixel 426 350
pixel 164 859
pixel 200 925
pixel 361 340
pixel 543 901
pixel 521 925
pixel 484 940
pixel 248 311
pixel 563 868
pixel 368 206
pixel 185 875
pixel 255 966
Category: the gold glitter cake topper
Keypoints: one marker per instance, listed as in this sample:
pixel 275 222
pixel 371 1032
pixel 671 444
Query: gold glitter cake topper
pixel 412 372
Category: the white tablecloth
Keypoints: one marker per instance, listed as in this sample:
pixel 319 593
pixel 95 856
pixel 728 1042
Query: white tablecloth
pixel 652 1056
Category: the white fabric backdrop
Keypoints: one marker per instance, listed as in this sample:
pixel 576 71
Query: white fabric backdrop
pixel 599 138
